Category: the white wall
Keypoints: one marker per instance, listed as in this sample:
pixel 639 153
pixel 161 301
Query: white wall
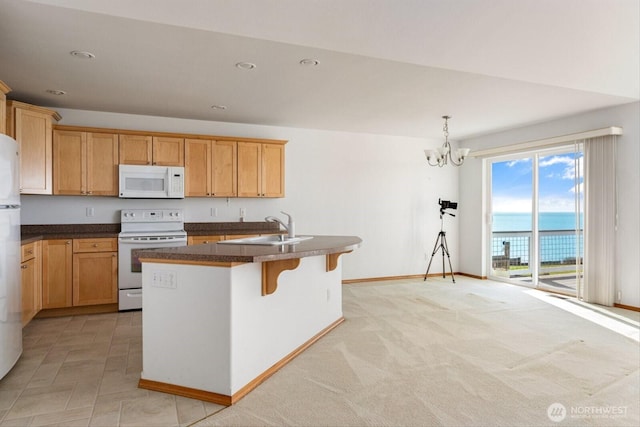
pixel 472 198
pixel 373 186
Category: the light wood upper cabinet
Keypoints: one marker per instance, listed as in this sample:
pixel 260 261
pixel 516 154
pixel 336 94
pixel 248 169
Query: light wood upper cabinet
pixel 272 170
pixel 4 90
pixel 260 170
pixel 151 150
pixel 168 151
pixel 136 149
pixel 85 163
pixel 31 126
pixel 210 168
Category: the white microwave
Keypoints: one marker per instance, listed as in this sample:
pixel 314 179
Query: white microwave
pixel 151 182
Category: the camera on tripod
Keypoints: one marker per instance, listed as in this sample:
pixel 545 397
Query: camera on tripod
pixel 446 204
pixel 441 241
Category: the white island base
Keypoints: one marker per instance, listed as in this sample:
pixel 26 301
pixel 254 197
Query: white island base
pixel 209 332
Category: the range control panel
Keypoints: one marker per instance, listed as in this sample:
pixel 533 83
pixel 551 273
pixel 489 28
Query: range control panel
pixel 151 215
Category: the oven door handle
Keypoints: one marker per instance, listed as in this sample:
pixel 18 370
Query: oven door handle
pixel 137 241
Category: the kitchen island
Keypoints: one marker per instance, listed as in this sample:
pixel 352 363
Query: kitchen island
pixel 218 319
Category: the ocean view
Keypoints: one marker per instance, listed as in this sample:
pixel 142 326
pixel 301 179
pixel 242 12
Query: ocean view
pixel 522 221
pixel 554 248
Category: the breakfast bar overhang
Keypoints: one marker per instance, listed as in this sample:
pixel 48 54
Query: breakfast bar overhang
pixel 218 319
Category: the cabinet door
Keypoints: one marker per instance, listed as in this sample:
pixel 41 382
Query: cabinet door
pixel 249 173
pixel 95 278
pixel 29 291
pixel 56 273
pixel 197 170
pixel 272 170
pixel 3 107
pixel 33 131
pixel 69 152
pixel 135 149
pixel 224 160
pixel 168 151
pixel 102 164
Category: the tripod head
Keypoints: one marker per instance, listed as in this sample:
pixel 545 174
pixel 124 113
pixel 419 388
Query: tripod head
pixel 446 204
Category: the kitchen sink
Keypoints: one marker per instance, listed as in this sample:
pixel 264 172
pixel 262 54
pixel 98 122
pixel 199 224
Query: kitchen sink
pixel 271 240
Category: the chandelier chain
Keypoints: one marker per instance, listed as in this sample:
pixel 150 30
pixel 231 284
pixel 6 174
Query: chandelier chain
pixel 445 128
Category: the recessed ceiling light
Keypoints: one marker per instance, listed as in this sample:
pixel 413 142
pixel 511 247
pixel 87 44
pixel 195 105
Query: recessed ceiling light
pixel 246 65
pixel 309 62
pixel 82 54
pixel 56 92
pixel 219 107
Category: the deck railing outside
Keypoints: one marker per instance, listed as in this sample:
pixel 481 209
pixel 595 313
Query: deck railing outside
pixel 511 251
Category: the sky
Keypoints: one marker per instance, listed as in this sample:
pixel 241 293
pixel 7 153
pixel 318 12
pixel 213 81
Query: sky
pixel 512 184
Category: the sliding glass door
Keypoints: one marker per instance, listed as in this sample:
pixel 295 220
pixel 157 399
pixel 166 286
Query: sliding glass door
pixel 536 227
pixel 512 207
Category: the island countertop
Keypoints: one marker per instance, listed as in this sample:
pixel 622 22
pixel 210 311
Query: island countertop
pixel 226 253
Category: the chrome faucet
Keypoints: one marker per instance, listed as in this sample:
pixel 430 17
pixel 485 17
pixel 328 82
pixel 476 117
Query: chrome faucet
pixel 290 226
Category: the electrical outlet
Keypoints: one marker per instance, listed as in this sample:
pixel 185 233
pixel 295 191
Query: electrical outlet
pixel 90 212
pixel 214 211
pixel 243 212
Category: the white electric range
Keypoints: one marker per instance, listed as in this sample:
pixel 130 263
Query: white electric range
pixel 143 229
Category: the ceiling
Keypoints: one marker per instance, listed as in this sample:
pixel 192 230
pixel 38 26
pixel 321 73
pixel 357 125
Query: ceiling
pixel 385 66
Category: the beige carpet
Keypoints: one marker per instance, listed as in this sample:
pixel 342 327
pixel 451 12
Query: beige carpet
pixel 474 353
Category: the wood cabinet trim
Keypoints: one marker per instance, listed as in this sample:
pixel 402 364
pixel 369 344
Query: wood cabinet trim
pixel 35 108
pixel 167 134
pixel 4 88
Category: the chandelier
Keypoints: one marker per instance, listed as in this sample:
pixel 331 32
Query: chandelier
pixel 443 153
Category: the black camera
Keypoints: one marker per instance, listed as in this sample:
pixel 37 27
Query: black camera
pixel 446 204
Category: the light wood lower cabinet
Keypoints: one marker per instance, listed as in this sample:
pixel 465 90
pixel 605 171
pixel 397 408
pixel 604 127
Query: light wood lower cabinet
pixel 31 281
pixel 57 256
pixel 79 272
pixel 200 240
pixel 95 278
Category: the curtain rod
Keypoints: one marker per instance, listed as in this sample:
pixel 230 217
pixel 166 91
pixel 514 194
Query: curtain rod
pixel 547 142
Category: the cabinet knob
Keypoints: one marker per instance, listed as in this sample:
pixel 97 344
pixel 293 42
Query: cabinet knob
pixel 24 267
pixel 68 242
pixel 95 245
pixel 30 251
pixel 90 192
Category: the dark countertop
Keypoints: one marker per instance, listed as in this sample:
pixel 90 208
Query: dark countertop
pixel 217 252
pixel 33 233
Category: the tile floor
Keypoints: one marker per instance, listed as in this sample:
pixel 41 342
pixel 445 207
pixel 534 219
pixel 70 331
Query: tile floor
pixel 84 371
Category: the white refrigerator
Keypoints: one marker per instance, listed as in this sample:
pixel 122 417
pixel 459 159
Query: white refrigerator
pixel 10 281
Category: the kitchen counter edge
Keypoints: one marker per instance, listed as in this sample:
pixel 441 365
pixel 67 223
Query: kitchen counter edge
pixel 224 253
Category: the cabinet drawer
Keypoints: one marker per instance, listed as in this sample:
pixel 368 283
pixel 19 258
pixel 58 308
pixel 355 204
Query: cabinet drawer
pixel 107 244
pixel 199 240
pixel 28 251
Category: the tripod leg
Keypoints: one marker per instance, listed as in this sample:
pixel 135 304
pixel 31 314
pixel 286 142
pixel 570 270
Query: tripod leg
pixel 445 248
pixel 435 250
